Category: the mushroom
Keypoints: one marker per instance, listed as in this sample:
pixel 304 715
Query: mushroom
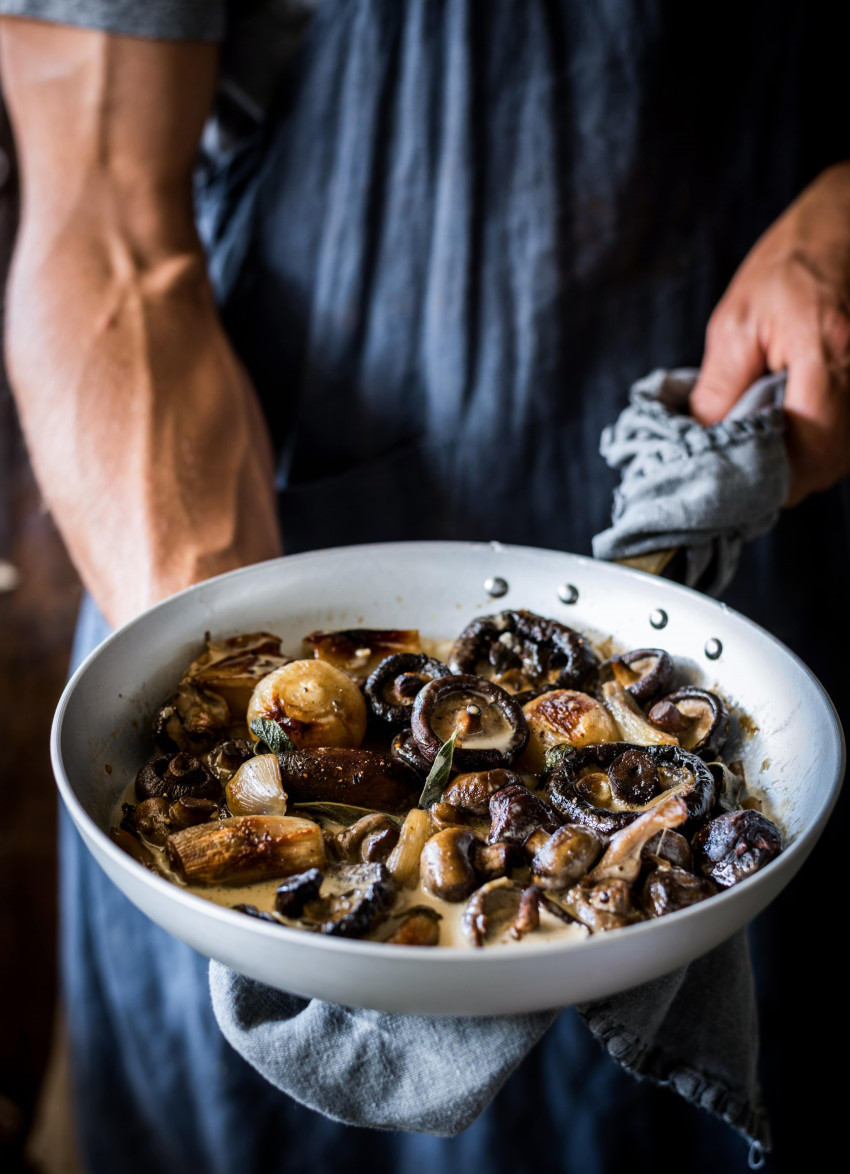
pixel 622 858
pixel 392 687
pixel 245 848
pixel 175 777
pixel 420 926
pixel 566 856
pixel 735 845
pixel 447 865
pixel 515 812
pixel 591 799
pixel 365 903
pixel 561 717
pixel 296 891
pixel 152 821
pixel 668 889
pixel 358 651
pixel 361 778
pixel 315 703
pixel 496 906
pixel 523 652
pixel 670 847
pixel 133 847
pixel 404 748
pixel 698 718
pixel 643 673
pixel 189 811
pixel 603 906
pixel 632 724
pixel 233 668
pixel 470 793
pixel 225 759
pixel 192 720
pixel 488 724
pixel 256 788
pixel 370 839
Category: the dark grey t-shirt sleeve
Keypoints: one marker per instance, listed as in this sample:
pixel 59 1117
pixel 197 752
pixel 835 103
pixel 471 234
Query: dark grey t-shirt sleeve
pixel 171 20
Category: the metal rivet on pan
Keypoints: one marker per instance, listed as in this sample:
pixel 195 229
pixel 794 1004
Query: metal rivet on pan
pixel 713 648
pixel 567 593
pixel 658 619
pixel 496 586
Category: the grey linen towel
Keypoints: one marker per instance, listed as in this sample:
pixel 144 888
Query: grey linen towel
pixel 694 1031
pixel 706 490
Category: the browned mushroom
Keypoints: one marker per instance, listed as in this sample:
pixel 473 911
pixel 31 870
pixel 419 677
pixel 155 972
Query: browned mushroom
pixel 566 856
pixel 175 777
pixel 644 672
pixel 189 811
pixel 735 845
pixel 296 891
pixel 152 821
pixel 420 926
pixel 488 723
pixel 362 778
pixel 391 689
pixel 668 847
pixel 367 899
pixel 370 839
pixel 470 793
pixel 226 758
pixel 631 721
pixel 603 906
pixel 192 720
pixel 668 889
pixel 698 718
pixel 404 748
pixel 447 865
pixel 133 847
pixel 515 812
pixel 233 668
pixel 359 651
pixel 523 652
pixel 498 906
pixel 623 857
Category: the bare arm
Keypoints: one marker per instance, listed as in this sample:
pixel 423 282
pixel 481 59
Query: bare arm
pixel 143 429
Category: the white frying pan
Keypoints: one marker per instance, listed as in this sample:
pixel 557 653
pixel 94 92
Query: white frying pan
pixel 790 741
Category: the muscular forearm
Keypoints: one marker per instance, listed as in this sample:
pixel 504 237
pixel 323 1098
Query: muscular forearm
pixel 143 429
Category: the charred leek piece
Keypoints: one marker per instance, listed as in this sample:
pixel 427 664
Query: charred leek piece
pixel 634 726
pixel 246 848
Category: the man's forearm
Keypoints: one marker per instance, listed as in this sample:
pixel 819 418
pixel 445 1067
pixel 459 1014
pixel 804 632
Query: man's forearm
pixel 144 431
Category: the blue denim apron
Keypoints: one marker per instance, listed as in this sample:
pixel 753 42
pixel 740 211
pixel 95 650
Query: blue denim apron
pixel 466 230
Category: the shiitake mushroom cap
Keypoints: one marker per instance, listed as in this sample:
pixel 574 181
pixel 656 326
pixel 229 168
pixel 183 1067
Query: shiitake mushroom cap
pixel 566 795
pixel 524 652
pixel 487 697
pixel 733 846
pixel 176 776
pixel 653 679
pixel 394 684
pixel 515 812
pixel 668 889
pixel 713 739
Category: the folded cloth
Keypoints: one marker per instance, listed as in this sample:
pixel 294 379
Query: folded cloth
pixel 706 490
pixel 694 1031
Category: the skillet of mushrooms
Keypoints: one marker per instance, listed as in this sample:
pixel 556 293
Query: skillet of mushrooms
pixel 517 787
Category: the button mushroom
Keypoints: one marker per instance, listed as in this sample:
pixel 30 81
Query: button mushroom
pixel 360 778
pixel 668 889
pixel 566 856
pixel 670 847
pixel 420 926
pixel 315 703
pixel 225 759
pixel 447 865
pixel 698 718
pixel 591 799
pixel 174 777
pixel 488 723
pixel 515 812
pixel 370 839
pixel 470 793
pixel 643 673
pixel 523 652
pixel 603 906
pixel 358 651
pixel 735 845
pixel 561 717
pixel 498 906
pixel 392 687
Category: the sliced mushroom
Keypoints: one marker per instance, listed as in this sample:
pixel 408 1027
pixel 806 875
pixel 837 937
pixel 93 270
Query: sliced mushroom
pixel 623 856
pixel 603 906
pixel 358 651
pixel 233 668
pixel 152 821
pixel 633 725
pixel 192 720
pixel 735 845
pixel 315 703
pixel 564 717
pixel 698 718
pixel 391 689
pixel 523 652
pixel 668 889
pixel 489 724
pixel 447 865
pixel 420 926
pixel 245 848
pixel 589 798
pixel 515 812
pixel 492 909
pixel 370 839
pixel 470 793
pixel 225 759
pixel 643 673
pixel 566 856
pixel 175 777
pixel 361 778
pixel 296 891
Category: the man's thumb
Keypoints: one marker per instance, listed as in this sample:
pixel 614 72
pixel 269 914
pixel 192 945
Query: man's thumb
pixel 732 361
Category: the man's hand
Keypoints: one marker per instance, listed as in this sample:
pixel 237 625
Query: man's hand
pixel 788 307
pixel 144 432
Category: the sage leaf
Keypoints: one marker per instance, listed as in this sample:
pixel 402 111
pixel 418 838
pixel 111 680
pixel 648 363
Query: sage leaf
pixel 342 813
pixel 438 775
pixel 271 735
